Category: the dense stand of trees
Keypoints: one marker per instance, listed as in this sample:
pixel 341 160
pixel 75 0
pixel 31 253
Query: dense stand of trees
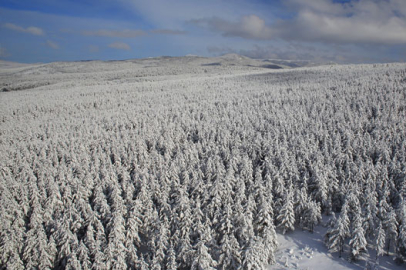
pixel 200 173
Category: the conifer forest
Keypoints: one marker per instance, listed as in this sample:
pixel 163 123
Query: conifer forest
pixel 182 163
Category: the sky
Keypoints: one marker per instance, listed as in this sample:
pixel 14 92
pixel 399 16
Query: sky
pixel 341 31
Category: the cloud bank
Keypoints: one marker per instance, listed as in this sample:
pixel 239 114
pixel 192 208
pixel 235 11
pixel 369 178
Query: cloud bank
pixel 249 27
pixel 29 30
pixel 355 22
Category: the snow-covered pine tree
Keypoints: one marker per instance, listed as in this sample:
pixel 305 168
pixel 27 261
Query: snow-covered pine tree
pixel 317 186
pixel 369 218
pixel 253 255
pixel 358 243
pixel 300 205
pixel 132 258
pixel 244 226
pixel 311 215
pixel 66 242
pixel 202 259
pixel 270 242
pixel 143 263
pixel 73 262
pixel 391 228
pixel 286 217
pixel 115 250
pixel 133 226
pixel 225 226
pixel 401 241
pixel 171 259
pixel 83 256
pixel 229 253
pixel 161 244
pixel 98 256
pixel 380 240
pixel 335 236
pixel 263 216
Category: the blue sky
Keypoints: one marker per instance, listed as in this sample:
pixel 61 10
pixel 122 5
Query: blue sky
pixel 350 31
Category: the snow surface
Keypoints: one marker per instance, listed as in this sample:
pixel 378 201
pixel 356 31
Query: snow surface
pixel 304 250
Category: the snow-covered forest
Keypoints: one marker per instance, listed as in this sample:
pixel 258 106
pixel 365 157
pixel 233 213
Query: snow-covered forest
pixel 156 164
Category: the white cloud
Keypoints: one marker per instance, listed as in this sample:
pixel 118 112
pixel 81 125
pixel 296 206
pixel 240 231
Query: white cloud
pixel 322 6
pixel 127 33
pixel 120 46
pixel 363 21
pixel 377 22
pixel 250 27
pixel 174 15
pixel 30 30
pixel 52 44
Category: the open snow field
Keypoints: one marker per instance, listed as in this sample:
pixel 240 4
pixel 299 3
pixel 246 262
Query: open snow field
pixel 202 163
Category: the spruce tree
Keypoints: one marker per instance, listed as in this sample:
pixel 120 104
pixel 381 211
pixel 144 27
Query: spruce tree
pixel 335 236
pixel 380 241
pixel 391 229
pixel 230 253
pixel 286 217
pixel 202 259
pixel 358 243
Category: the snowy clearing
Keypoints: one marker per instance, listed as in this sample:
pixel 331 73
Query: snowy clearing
pixel 304 250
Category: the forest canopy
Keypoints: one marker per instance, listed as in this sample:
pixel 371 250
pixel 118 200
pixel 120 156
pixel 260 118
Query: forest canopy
pixel 201 172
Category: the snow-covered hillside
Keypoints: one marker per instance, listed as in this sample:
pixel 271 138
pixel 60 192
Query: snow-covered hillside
pixel 201 163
